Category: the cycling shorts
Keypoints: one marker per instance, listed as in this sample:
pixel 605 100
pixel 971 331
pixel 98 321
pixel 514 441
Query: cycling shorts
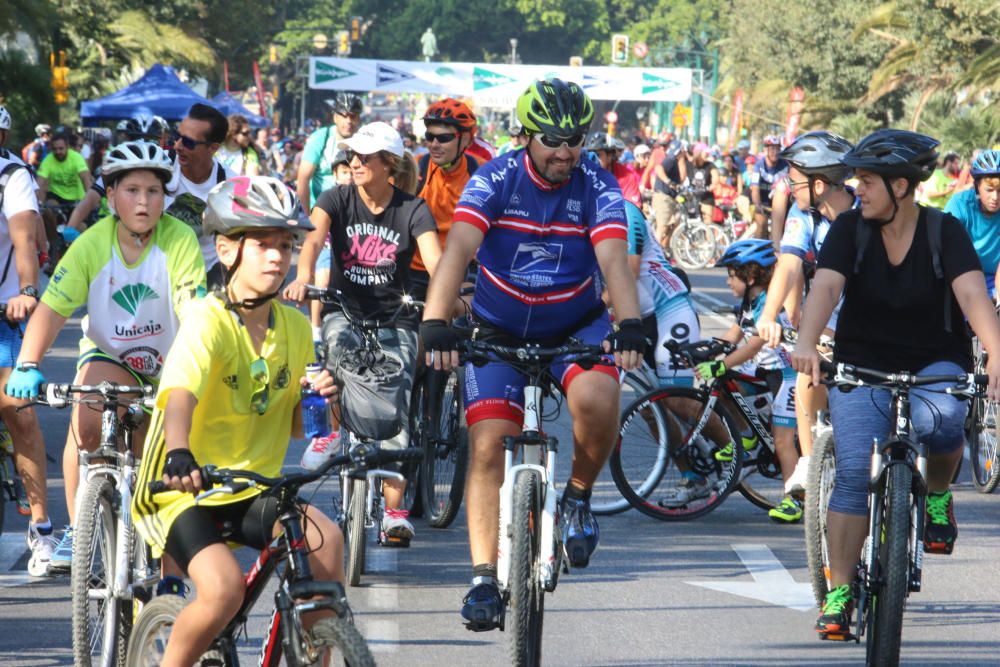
pixel 248 522
pixel 324 259
pixel 496 391
pixel 10 343
pixel 94 354
pixel 676 321
pixel 783 407
pixel 991 284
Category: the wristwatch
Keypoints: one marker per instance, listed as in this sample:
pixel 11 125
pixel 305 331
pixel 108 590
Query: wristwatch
pixel 31 291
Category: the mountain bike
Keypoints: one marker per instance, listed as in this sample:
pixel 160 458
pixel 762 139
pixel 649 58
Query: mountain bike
pixel 285 557
pixel 692 243
pixel 530 552
pixel 981 434
pixel 892 559
pixel 112 568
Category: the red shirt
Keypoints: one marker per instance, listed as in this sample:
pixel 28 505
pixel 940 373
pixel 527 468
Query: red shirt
pixel 628 181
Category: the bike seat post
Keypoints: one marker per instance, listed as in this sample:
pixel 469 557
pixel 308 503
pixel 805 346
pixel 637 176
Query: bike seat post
pixel 532 427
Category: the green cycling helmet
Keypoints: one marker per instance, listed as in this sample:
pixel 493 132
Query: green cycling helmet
pixel 556 108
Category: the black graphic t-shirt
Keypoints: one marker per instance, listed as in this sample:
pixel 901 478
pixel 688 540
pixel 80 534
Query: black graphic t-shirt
pixel 370 253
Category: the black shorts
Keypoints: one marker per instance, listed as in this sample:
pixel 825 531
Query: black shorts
pixel 249 522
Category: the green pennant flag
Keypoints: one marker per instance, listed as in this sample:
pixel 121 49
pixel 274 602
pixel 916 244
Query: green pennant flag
pixel 326 72
pixel 484 78
pixel 652 84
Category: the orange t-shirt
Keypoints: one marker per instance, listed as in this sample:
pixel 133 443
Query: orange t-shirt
pixel 441 190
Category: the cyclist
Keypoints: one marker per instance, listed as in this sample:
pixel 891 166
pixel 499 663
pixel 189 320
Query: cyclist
pixel 374 228
pixel 767 170
pixel 19 222
pixel 63 179
pixel 236 152
pixel 750 264
pixel 608 154
pixel 704 177
pixel 978 209
pixel 518 138
pixel 342 174
pixel 444 171
pixel 542 223
pixel 229 395
pixel 669 174
pixel 36 151
pixel 317 164
pixel 897 314
pixel 816 184
pixel 135 272
pixel 943 183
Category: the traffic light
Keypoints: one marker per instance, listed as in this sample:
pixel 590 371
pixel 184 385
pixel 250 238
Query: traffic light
pixel 343 43
pixel 60 78
pixel 355 28
pixel 619 49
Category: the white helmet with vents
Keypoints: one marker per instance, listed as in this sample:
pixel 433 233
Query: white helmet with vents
pixel 136 155
pixel 245 203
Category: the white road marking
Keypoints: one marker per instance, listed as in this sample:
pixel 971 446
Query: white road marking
pixel 12 548
pixel 772 583
pixel 706 308
pixel 382 636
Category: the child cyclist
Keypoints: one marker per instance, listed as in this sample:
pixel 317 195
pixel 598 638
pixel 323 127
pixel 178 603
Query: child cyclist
pixel 750 264
pixel 229 396
pixel 135 272
pixel 978 209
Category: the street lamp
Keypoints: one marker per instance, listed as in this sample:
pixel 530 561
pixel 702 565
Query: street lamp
pixel 513 50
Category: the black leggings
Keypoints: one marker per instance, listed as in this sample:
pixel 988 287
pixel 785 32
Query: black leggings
pixel 249 522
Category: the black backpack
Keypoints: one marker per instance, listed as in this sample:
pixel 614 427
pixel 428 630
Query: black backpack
pixel 935 220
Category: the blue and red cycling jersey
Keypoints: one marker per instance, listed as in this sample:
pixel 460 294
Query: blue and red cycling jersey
pixel 538 273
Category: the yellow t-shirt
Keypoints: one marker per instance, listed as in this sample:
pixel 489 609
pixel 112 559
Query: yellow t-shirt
pixel 211 358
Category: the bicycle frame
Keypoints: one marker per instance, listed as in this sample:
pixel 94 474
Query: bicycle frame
pixel 373 504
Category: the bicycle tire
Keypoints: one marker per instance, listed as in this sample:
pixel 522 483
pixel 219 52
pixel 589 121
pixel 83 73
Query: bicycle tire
pixel 93 568
pixel 819 485
pixel 984 454
pixel 413 497
pixel 769 493
pixel 894 567
pixel 152 631
pixel 356 517
pixel 527 598
pixel 6 484
pixel 639 481
pixel 446 454
pixel 692 245
pixel 340 635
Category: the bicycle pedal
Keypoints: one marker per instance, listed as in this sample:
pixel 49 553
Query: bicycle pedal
pixel 395 542
pixel 837 636
pixel 942 548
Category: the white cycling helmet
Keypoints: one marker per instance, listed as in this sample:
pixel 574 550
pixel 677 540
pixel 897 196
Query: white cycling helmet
pixel 4 118
pixel 136 155
pixel 244 203
pixel 43 128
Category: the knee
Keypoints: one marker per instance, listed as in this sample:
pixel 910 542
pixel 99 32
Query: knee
pixel 594 402
pixel 222 589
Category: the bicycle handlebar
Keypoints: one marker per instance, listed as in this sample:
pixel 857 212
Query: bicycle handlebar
pixel 335 296
pixel 849 375
pixel 58 395
pixel 479 350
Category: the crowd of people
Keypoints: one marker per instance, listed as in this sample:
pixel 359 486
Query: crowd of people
pixel 178 242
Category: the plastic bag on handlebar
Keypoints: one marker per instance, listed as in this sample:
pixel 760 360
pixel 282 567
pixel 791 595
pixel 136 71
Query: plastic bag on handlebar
pixel 372 387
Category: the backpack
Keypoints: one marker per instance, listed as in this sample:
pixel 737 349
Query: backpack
pixel 5 176
pixel 935 220
pixel 425 164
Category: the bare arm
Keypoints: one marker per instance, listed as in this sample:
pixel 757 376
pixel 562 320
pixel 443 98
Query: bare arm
pixel 785 270
pixel 779 209
pixel 43 327
pixel 827 287
pixel 22 228
pixel 43 188
pixel 311 247
pixel 970 292
pixel 430 250
pixel 612 257
pixel 177 418
pixel 635 265
pixel 87 205
pixel 463 242
pixel 306 171
pixel 86 179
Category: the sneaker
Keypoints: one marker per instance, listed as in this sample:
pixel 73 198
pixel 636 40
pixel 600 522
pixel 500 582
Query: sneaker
pixel 789 511
pixel 796 483
pixel 320 450
pixel 396 527
pixel 835 616
pixel 685 493
pixel 482 606
pixel 725 455
pixel 941 529
pixel 62 557
pixel 580 533
pixel 171 585
pixel 41 547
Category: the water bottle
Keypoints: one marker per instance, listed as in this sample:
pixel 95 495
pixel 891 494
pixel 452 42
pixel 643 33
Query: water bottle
pixel 315 408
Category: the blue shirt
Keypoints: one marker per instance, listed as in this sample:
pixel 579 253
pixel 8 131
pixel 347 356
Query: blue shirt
pixel 765 176
pixel 984 230
pixel 802 236
pixel 538 273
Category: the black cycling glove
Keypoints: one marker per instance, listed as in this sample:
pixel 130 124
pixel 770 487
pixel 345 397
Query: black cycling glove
pixel 438 336
pixel 629 337
pixel 180 463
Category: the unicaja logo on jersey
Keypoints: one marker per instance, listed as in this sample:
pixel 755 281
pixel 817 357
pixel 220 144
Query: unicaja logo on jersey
pixel 131 296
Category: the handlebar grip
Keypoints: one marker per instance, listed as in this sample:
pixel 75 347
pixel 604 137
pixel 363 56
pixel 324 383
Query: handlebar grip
pixel 157 487
pixel 392 456
pixel 827 368
pixel 982 380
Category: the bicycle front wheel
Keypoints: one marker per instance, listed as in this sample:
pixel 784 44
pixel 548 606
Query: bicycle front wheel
pixel 342 640
pixel 355 531
pixel 984 455
pixel 692 245
pixel 893 568
pixel 819 486
pixel 96 612
pixel 446 453
pixel 152 631
pixel 527 598
pixel 665 460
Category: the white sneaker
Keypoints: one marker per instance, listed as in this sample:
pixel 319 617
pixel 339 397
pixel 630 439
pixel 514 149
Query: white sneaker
pixel 797 482
pixel 320 450
pixel 41 547
pixel 396 525
pixel 685 492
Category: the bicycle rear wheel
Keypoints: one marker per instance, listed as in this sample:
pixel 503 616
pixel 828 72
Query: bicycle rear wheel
pixel 354 532
pixel 345 643
pixel 984 455
pixel 96 612
pixel 527 598
pixel 819 486
pixel 664 462
pixel 692 245
pixel 446 452
pixel 893 567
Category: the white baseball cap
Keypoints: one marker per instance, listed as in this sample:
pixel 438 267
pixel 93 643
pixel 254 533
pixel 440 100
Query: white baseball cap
pixel 374 137
pixel 641 149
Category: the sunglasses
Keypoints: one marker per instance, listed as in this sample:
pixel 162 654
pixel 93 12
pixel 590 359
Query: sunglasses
pixel 262 378
pixel 244 133
pixel 557 142
pixel 443 138
pixel 363 159
pixel 187 142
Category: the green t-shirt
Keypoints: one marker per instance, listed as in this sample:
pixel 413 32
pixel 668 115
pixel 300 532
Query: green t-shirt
pixel 64 177
pixel 938 181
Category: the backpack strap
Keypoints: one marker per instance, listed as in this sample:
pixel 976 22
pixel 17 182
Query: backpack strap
pixel 862 234
pixel 422 166
pixel 471 164
pixel 935 222
pixel 220 172
pixel 5 175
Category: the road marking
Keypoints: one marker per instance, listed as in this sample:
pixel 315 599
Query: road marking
pixel 382 636
pixel 380 559
pixel 12 549
pixel 772 583
pixel 707 304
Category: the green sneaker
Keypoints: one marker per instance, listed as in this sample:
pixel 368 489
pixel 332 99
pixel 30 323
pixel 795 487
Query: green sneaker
pixel 835 616
pixel 725 455
pixel 789 511
pixel 941 529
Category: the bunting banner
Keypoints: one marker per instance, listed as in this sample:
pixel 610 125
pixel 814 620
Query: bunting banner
pixel 496 85
pixel 795 102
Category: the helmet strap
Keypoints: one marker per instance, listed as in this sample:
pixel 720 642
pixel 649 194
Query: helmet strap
pixel 137 239
pixel 229 274
pixel 459 152
pixel 895 205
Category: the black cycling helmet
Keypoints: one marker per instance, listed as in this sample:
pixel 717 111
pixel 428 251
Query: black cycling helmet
pixel 345 103
pixel 819 153
pixel 144 126
pixel 555 107
pixel 895 154
pixel 601 141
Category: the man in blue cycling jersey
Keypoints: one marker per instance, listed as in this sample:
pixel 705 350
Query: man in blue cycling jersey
pixel 978 210
pixel 545 226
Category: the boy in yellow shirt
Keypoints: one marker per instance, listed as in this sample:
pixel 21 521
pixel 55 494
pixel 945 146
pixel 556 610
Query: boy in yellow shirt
pixel 229 395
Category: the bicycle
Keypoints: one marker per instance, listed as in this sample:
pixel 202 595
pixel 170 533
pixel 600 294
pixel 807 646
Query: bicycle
pixel 692 243
pixel 11 488
pixel 819 487
pixel 530 552
pixel 111 568
pixel 981 434
pixel 297 593
pixel 892 558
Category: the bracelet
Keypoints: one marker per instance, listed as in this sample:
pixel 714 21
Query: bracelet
pixel 27 366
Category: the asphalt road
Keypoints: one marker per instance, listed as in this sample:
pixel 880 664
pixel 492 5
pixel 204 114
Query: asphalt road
pixel 727 589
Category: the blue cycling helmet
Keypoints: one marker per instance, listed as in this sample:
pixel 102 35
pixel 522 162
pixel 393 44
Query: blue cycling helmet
pixel 749 251
pixel 986 164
